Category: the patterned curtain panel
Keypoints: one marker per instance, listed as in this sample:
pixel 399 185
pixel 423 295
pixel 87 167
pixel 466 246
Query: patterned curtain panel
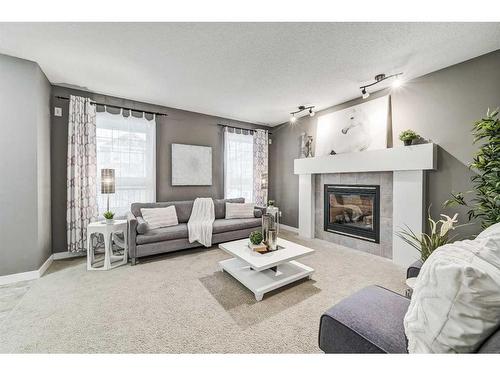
pixel 260 160
pixel 82 172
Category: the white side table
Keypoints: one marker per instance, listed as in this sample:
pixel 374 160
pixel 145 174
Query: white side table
pixel 107 230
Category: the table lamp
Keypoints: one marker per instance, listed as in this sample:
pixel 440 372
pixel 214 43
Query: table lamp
pixel 107 182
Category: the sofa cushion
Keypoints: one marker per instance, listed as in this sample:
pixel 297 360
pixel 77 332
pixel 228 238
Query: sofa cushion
pixel 239 210
pixel 455 302
pixel 227 225
pixel 142 225
pixel 369 321
pixel 160 217
pixel 163 234
pixel 220 206
pixel 183 208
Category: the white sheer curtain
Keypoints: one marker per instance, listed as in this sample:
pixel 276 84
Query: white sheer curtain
pixel 238 165
pixel 128 145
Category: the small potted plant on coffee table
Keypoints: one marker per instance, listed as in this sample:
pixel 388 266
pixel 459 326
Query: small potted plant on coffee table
pixel 256 242
pixel 408 136
pixel 108 215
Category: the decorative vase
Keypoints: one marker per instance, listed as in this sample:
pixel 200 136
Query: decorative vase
pixel 408 142
pixel 110 221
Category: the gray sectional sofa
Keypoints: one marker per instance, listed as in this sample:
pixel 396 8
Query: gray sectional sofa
pixel 144 242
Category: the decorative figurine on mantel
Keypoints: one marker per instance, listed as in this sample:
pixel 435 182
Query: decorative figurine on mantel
pixel 309 146
pixel 306 146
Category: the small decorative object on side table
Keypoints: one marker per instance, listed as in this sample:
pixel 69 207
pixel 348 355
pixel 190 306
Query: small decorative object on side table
pixel 410 282
pixel 107 230
pixel 108 215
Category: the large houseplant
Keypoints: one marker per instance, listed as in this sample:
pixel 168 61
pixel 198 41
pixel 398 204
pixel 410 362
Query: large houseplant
pixel 485 205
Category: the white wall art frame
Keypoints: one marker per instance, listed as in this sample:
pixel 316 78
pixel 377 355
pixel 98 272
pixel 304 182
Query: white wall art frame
pixel 191 165
pixel 358 128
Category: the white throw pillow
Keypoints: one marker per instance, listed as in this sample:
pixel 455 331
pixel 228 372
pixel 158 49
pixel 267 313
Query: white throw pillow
pixel 455 303
pixel 239 210
pixel 160 217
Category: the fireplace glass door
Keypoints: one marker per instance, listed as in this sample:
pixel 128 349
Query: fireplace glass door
pixel 353 210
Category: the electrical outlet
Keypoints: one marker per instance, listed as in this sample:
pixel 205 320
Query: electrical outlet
pixel 270 141
pixel 57 111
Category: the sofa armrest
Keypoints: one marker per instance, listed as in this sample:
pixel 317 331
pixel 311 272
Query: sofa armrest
pixel 414 269
pixel 258 208
pixel 132 234
pixel 368 321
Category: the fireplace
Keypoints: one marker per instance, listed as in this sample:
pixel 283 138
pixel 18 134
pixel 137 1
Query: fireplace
pixel 353 210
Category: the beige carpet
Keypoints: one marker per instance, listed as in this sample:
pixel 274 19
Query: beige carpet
pixel 181 303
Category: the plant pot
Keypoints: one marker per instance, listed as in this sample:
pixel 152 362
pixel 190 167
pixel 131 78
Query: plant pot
pixel 110 221
pixel 408 142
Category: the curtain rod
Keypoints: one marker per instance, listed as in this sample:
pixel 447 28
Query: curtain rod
pixel 119 107
pixel 247 129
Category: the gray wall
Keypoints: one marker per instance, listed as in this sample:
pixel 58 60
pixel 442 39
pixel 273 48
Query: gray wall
pixel 25 166
pixel 440 106
pixel 178 127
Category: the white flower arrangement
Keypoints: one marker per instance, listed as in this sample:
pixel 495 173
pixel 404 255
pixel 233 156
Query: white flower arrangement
pixel 439 235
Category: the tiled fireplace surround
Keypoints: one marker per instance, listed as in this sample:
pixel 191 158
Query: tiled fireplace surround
pixel 400 169
pixel 384 179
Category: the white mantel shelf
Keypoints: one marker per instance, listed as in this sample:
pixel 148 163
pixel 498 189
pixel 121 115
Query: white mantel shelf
pixel 408 164
pixel 403 158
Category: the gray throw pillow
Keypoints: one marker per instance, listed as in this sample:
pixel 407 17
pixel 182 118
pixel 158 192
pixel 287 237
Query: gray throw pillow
pixel 142 225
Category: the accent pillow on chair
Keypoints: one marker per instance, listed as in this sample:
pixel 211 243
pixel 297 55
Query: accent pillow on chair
pixel 240 210
pixel 455 303
pixel 160 217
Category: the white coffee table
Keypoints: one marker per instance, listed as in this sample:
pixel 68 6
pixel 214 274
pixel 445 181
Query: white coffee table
pixel 262 273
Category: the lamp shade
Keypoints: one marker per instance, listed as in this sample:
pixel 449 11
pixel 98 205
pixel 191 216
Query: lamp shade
pixel 107 181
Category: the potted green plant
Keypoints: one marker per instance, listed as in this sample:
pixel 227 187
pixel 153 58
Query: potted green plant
pixel 439 235
pixel 108 215
pixel 256 244
pixel 408 136
pixel 485 203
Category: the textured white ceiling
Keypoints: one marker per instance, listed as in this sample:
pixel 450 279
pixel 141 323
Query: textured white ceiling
pixel 256 72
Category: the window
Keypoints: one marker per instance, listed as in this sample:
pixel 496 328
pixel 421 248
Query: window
pixel 126 144
pixel 238 165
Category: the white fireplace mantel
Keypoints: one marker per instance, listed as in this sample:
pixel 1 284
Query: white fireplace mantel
pixel 408 164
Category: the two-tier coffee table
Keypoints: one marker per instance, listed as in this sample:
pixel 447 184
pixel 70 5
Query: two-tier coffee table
pixel 262 273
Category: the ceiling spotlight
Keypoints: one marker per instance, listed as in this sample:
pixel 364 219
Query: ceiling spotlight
pixel 379 78
pixel 301 108
pixel 397 83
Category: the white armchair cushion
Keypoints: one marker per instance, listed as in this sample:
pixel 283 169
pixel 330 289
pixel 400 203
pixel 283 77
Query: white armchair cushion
pixel 160 217
pixel 239 210
pixel 455 304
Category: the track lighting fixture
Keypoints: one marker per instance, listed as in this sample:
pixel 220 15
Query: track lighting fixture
pixel 365 93
pixel 301 108
pixel 379 78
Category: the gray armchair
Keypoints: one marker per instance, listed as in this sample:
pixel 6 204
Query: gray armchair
pixel 371 321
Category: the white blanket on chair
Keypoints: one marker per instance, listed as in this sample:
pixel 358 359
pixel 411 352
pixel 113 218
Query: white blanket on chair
pixel 201 221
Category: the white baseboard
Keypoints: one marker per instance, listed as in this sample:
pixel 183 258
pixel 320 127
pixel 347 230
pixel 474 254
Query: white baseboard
pixel 289 228
pixel 30 275
pixel 67 254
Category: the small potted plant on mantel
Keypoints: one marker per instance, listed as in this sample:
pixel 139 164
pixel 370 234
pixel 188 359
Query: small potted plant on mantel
pixel 408 136
pixel 108 215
